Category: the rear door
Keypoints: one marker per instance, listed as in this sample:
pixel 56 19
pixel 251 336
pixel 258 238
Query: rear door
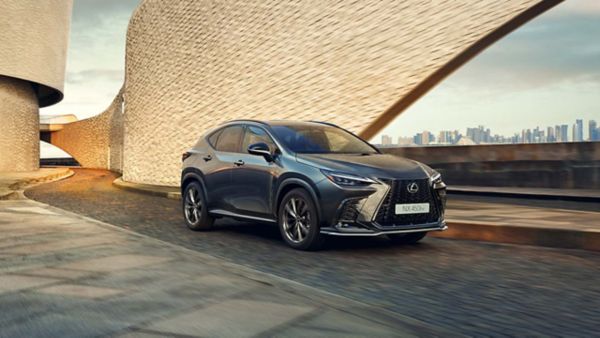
pixel 218 180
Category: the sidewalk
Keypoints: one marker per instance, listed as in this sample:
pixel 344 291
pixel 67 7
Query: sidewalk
pixel 506 223
pixel 13 183
pixel 489 222
pixel 62 275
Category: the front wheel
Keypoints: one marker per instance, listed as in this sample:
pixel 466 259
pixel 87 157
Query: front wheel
pixel 410 238
pixel 195 211
pixel 299 221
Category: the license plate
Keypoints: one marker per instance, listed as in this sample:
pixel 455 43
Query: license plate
pixel 414 208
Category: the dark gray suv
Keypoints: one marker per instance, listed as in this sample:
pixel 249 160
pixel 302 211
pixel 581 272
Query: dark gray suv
pixel 311 179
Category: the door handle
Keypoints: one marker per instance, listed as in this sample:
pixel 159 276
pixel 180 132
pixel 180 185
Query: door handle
pixel 238 163
pixel 207 158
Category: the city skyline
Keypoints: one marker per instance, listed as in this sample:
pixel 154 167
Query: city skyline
pixel 547 72
pixel 576 132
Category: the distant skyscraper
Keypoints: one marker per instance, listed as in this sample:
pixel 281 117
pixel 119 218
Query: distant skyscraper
pixel 593 131
pixel 448 137
pixel 427 137
pixel 550 137
pixel 386 140
pixel 564 130
pixel 418 139
pixel 405 141
pixel 578 131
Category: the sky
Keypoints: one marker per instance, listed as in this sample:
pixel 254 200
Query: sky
pixel 547 72
pixel 95 56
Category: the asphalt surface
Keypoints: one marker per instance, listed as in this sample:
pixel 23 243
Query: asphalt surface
pixel 472 288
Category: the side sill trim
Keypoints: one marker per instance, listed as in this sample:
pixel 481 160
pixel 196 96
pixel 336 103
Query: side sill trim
pixel 226 213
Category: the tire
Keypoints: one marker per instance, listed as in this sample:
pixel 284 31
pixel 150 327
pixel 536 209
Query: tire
pixel 410 238
pixel 194 207
pixel 300 227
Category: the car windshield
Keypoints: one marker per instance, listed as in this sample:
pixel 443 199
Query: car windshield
pixel 320 139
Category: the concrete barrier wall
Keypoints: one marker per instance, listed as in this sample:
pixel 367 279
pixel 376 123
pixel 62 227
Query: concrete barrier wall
pixel 553 165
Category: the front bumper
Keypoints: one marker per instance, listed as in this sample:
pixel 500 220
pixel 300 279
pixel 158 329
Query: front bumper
pixel 354 230
pixel 370 213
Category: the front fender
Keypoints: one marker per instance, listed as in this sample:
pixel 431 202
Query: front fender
pixel 297 181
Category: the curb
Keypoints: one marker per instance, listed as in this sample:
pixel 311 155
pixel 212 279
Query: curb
pixel 523 235
pixel 457 229
pixel 16 190
pixel 148 189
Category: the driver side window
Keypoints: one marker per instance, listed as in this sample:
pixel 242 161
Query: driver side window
pixel 254 135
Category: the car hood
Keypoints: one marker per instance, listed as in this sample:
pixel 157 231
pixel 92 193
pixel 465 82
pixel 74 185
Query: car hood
pixel 374 165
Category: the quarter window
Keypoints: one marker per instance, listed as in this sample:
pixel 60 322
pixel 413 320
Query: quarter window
pixel 212 139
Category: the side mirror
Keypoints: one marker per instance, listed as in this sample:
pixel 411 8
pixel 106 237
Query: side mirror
pixel 261 149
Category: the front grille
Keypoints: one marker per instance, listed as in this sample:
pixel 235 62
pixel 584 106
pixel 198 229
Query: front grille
pixel 398 194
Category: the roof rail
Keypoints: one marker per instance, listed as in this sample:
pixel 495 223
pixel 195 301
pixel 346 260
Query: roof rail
pixel 326 123
pixel 246 120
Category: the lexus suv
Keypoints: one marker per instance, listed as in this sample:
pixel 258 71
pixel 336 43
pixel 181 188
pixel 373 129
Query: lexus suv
pixel 312 179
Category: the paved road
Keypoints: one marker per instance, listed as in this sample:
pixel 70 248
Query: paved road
pixel 467 287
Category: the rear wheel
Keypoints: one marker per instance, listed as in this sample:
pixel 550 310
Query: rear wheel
pixel 299 221
pixel 195 211
pixel 410 238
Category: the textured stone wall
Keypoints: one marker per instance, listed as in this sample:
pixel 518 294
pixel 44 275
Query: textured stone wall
pixel 96 142
pixel 191 65
pixel 33 49
pixel 19 126
pixel 33 44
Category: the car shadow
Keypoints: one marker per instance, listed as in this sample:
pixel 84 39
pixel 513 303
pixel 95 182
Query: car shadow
pixel 270 233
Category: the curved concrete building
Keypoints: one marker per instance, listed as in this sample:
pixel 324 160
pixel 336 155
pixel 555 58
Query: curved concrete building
pixel 191 65
pixel 96 142
pixel 33 46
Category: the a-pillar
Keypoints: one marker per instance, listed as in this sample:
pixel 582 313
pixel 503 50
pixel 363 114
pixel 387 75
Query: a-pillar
pixel 19 126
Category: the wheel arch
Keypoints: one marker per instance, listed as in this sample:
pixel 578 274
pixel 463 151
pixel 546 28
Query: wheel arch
pixel 192 175
pixel 291 183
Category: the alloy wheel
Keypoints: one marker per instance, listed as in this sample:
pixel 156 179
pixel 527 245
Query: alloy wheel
pixel 193 205
pixel 296 220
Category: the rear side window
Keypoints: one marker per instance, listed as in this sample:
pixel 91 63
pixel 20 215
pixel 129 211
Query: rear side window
pixel 212 139
pixel 229 139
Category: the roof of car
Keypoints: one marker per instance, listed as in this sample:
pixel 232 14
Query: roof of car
pixel 281 122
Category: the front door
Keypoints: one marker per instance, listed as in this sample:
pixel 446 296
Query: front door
pixel 254 176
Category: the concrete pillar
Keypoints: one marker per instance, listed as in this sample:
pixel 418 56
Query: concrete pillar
pixel 19 126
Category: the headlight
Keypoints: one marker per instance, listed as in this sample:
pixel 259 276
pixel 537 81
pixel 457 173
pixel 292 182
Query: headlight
pixel 347 180
pixel 436 181
pixel 435 176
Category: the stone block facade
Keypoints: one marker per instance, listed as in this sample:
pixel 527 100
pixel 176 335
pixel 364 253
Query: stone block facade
pixel 19 126
pixel 33 49
pixel 96 142
pixel 192 65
